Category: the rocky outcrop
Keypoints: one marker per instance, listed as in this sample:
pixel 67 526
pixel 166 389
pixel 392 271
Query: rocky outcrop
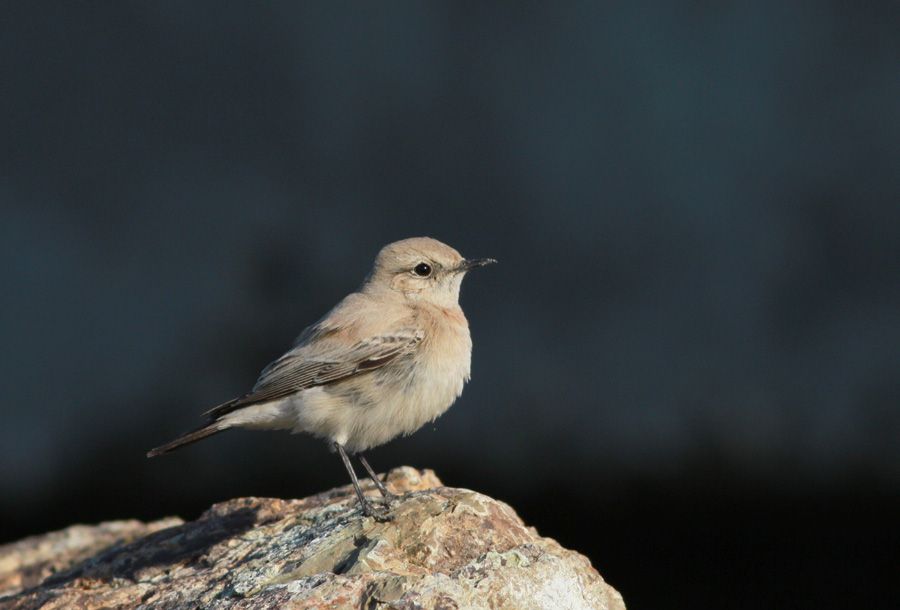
pixel 443 548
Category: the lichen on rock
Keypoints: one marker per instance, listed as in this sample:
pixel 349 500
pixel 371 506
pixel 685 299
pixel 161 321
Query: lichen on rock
pixel 442 548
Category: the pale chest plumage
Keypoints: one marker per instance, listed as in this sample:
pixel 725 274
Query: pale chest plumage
pixel 397 399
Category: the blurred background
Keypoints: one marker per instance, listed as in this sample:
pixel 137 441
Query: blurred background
pixel 686 366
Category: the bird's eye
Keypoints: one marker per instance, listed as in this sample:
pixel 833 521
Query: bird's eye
pixel 422 270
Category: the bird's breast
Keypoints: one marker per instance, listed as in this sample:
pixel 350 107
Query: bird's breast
pixel 399 398
pixel 424 385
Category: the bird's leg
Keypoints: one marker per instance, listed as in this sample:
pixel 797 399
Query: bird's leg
pixel 387 495
pixel 364 504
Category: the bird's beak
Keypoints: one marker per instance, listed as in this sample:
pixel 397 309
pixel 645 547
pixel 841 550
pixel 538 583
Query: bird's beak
pixel 471 263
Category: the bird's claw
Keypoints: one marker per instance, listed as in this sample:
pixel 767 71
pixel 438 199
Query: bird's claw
pixel 381 515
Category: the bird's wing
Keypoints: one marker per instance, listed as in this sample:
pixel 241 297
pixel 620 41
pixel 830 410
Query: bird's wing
pixel 300 369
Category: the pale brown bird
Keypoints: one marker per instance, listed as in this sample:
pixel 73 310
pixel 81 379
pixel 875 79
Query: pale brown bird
pixel 386 360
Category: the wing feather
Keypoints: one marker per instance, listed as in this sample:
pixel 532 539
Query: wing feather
pixel 299 369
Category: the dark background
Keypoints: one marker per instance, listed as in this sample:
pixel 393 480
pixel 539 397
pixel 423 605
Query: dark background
pixel 685 366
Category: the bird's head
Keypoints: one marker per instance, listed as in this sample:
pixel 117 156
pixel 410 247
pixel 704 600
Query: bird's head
pixel 422 268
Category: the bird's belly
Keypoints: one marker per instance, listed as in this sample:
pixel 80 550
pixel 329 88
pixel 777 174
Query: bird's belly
pixel 370 410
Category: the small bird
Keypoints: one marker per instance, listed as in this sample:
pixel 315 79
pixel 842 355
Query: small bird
pixel 382 363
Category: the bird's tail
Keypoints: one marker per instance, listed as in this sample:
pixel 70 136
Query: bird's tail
pixel 187 439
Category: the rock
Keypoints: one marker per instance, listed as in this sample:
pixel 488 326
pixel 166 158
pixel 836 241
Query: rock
pixel 444 548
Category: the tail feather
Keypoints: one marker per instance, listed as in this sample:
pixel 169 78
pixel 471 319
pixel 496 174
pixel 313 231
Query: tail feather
pixel 187 439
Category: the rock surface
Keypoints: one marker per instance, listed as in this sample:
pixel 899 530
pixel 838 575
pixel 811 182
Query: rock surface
pixel 444 548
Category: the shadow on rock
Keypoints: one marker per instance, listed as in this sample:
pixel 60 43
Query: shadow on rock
pixel 182 544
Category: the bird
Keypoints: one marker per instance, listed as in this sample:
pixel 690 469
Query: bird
pixel 387 359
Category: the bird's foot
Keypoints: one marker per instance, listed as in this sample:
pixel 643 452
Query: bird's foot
pixel 381 515
pixel 387 499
